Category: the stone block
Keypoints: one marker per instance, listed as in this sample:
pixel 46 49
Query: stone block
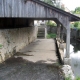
pixel 67 61
pixel 61 46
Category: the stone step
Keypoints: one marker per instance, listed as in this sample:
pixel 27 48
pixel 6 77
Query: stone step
pixel 41 29
pixel 41 33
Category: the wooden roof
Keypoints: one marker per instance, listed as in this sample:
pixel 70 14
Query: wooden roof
pixel 34 9
pixel 72 17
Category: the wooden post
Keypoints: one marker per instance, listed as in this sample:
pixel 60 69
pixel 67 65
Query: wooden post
pixel 68 41
pixel 58 31
pixel 61 34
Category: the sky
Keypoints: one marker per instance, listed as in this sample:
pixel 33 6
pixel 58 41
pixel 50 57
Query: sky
pixel 71 4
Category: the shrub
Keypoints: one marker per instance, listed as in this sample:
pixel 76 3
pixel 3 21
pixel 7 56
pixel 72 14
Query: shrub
pixel 51 35
pixel 51 24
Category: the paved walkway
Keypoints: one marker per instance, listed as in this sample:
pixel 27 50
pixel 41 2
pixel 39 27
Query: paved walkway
pixel 40 50
pixel 38 61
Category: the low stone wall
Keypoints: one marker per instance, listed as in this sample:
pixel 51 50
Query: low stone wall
pixel 12 40
pixel 60 49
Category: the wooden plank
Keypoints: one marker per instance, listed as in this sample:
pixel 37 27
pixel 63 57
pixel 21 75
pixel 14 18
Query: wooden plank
pixel 5 8
pixel 13 12
pixel 37 10
pixel 55 14
pixel 32 9
pixel 43 12
pixel 20 8
pixel 48 14
pixel 29 9
pixel 26 9
pixel 8 8
pixel 14 8
pixel 17 8
pixel 68 40
pixel 1 9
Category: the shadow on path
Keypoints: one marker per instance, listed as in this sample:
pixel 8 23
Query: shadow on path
pixel 20 69
pixel 38 61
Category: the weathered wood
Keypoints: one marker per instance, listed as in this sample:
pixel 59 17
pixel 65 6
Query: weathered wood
pixel 13 12
pixel 37 10
pixel 33 9
pixel 58 30
pixel 68 40
pixel 62 34
pixel 1 8
pixel 29 9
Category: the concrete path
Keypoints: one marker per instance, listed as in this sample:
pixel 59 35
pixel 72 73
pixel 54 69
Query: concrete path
pixel 38 61
pixel 40 50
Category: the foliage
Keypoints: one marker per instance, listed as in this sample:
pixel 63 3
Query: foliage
pixel 69 78
pixel 51 24
pixel 77 25
pixel 51 35
pixel 53 2
pixel 77 10
pixel 49 2
pixel 78 78
pixel 1 45
pixel 71 25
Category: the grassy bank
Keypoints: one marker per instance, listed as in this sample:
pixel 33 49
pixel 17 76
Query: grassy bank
pixel 51 35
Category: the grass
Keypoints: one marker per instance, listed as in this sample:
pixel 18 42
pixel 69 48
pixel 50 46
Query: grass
pixel 51 35
pixel 78 78
pixel 69 78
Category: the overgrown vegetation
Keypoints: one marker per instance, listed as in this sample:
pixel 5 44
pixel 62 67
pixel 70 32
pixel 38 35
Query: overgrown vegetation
pixel 51 24
pixel 77 13
pixel 56 3
pixel 51 35
pixel 69 78
pixel 78 78
pixel 75 25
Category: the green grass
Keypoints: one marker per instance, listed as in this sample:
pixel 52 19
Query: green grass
pixel 78 78
pixel 51 35
pixel 69 78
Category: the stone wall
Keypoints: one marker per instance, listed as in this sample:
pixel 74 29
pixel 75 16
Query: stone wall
pixel 12 40
pixel 51 29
